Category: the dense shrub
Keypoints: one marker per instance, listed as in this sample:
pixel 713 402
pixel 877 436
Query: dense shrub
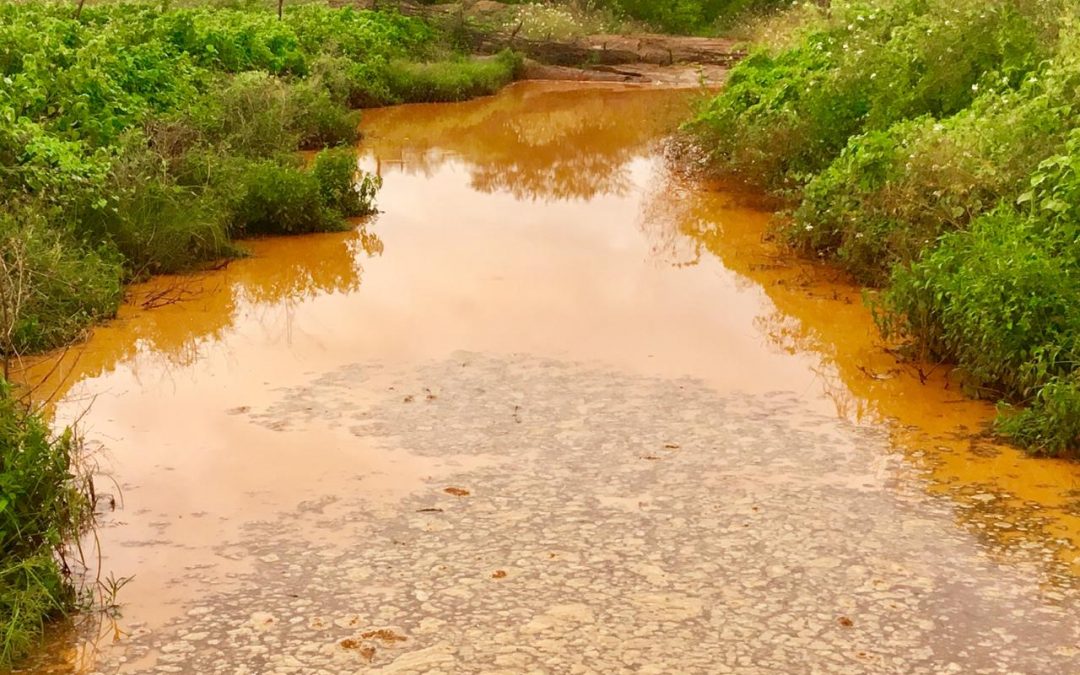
pixel 932 148
pixel 341 187
pixel 785 117
pixel 43 505
pixel 891 193
pixel 451 80
pixel 51 286
pixel 273 198
pixel 1001 298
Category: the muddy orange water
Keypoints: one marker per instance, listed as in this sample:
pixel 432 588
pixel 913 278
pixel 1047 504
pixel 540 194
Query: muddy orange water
pixel 526 231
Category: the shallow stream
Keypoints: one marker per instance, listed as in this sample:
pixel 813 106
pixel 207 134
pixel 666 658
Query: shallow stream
pixel 556 409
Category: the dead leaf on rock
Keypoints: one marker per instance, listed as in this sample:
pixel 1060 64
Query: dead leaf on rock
pixel 384 635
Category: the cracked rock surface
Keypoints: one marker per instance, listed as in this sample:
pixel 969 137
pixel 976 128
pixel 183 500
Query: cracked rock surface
pixel 620 524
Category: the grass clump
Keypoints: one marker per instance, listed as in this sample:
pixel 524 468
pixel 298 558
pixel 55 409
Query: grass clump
pixel 271 197
pixel 51 286
pixel 944 174
pixel 451 80
pixel 43 506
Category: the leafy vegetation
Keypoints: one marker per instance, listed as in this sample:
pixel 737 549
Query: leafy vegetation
pixel 136 139
pixel 686 16
pixel 43 505
pixel 452 80
pixel 560 19
pixel 931 148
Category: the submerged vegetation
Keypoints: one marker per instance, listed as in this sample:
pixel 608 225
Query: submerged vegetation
pixel 932 149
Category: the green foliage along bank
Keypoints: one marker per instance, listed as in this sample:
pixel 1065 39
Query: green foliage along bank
pixel 932 149
pixel 43 506
pixel 137 139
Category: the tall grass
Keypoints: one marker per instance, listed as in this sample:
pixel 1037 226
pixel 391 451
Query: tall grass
pixel 44 504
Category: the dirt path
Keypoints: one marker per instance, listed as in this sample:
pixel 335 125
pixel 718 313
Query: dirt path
pixel 644 58
pixel 528 422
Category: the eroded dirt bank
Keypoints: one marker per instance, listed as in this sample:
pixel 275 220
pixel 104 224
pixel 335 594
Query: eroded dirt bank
pixel 556 410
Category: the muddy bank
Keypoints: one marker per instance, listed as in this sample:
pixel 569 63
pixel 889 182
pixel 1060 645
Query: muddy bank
pixel 682 76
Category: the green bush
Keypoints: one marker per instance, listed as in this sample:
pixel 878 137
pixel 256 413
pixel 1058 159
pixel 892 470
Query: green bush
pixel 1051 423
pixel 341 187
pixel 51 287
pixel 272 198
pixel 249 115
pixel 1002 300
pixel 891 193
pixel 454 80
pixel 156 224
pixel 931 147
pixel 318 120
pixel 43 505
pixel 785 117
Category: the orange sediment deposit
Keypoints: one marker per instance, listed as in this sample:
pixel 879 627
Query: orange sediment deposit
pixel 940 429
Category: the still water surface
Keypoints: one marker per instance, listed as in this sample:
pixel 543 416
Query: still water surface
pixel 306 401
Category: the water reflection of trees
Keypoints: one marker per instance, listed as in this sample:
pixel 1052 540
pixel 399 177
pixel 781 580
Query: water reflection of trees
pixel 816 313
pixel 536 142
pixel 174 319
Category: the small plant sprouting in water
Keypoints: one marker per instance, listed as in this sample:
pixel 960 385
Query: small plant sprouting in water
pixel 108 592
